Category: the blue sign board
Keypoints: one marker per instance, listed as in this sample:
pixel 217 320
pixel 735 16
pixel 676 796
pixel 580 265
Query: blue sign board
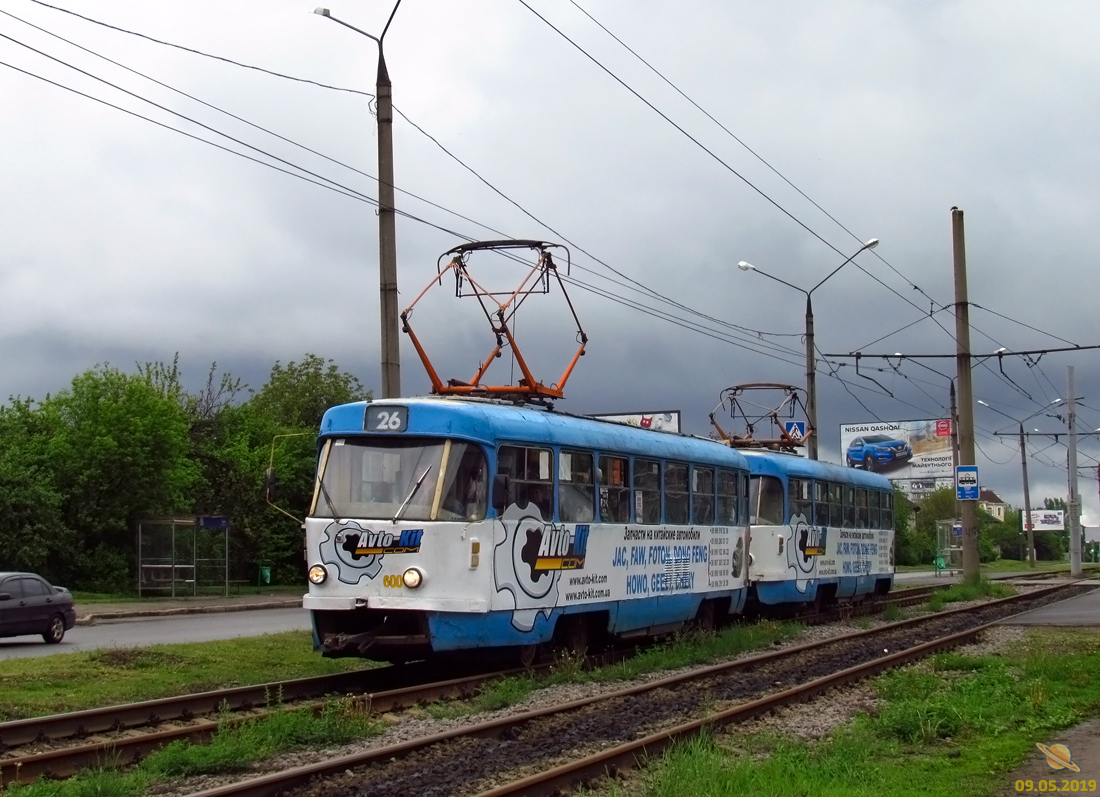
pixel 796 429
pixel 966 483
pixel 957 530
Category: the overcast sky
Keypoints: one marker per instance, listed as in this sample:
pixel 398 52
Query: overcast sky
pixel 124 241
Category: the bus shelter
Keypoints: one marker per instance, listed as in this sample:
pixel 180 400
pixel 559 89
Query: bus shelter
pixel 183 555
pixel 948 546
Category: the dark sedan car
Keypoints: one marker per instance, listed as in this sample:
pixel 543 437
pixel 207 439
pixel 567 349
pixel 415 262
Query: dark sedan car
pixel 31 605
pixel 874 450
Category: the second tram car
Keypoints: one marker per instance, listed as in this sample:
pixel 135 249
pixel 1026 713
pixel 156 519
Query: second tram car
pixel 819 532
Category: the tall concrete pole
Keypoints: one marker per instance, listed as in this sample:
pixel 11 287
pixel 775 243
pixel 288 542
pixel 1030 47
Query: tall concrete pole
pixel 954 429
pixel 969 513
pixel 811 382
pixel 387 236
pixel 387 227
pixel 1074 498
pixel 1027 501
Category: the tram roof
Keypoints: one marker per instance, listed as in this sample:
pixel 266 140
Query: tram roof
pixel 491 422
pixel 790 466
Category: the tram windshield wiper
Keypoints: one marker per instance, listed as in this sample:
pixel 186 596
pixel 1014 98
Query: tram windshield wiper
pixel 412 492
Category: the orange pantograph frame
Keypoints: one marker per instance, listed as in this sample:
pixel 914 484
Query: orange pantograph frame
pixel 537 280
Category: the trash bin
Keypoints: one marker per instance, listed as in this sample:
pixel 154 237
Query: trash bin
pixel 939 563
pixel 264 576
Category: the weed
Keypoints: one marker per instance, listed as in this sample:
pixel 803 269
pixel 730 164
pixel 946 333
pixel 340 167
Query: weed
pixel 892 613
pixel 568 665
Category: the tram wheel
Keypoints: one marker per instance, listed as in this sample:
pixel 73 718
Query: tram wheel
pixel 707 618
pixel 528 655
pixel 574 638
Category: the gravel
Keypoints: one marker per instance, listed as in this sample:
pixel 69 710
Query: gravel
pixel 810 721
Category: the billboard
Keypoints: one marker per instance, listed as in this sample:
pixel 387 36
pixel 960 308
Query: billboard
pixel 664 421
pixel 1048 520
pixel 916 453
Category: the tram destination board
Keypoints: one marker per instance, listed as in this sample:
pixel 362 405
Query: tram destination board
pixel 386 418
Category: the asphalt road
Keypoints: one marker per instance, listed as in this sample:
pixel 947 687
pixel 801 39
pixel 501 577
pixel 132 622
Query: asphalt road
pixel 160 630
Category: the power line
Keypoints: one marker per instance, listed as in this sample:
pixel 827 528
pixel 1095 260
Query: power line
pixel 419 129
pixel 358 195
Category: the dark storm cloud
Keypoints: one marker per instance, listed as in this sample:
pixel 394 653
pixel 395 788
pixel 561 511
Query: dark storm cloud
pixel 125 242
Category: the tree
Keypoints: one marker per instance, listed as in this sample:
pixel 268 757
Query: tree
pixel 1051 546
pixel 33 535
pixel 78 469
pixel 118 450
pixel 234 445
pixel 942 504
pixel 296 396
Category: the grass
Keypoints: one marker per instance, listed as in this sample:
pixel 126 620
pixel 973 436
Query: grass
pixel 955 725
pixel 232 749
pixel 125 672
pixel 893 613
pixel 969 592
pixel 1002 566
pixel 291 591
pixel 682 650
pixel 35 687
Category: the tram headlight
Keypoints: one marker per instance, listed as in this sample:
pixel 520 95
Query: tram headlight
pixel 318 574
pixel 412 578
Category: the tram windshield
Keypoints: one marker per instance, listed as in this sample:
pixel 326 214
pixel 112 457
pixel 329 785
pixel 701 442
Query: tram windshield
pixel 421 479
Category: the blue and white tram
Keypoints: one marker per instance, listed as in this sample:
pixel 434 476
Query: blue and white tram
pixel 819 532
pixel 443 525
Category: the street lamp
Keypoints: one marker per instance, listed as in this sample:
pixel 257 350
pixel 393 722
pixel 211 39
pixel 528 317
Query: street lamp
pixel 387 227
pixel 1023 465
pixel 811 358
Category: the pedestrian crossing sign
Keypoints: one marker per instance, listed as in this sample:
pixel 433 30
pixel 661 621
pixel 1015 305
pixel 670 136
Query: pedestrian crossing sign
pixel 796 430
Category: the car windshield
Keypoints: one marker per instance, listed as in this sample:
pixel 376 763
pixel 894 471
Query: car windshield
pixel 372 478
pixel 879 438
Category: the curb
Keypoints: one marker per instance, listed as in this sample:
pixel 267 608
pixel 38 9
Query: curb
pixel 92 619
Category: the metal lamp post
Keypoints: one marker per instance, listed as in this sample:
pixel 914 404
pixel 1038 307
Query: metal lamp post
pixel 1023 465
pixel 387 227
pixel 811 358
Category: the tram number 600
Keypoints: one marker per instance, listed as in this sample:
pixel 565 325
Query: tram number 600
pixel 386 419
pixel 392 581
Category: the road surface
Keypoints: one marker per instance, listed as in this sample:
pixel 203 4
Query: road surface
pixel 160 630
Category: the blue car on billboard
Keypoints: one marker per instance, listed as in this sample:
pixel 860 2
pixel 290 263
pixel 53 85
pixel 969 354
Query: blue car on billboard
pixel 874 450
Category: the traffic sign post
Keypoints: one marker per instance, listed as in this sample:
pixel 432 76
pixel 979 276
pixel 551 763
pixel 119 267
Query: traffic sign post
pixel 966 483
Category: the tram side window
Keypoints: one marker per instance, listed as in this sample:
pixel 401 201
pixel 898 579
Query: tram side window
pixel 676 493
pixel 836 506
pixel 702 496
pixel 614 489
pixel 647 491
pixel 888 510
pixel 729 498
pixel 529 476
pixel 801 502
pixel 821 503
pixel 874 521
pixel 861 508
pixel 465 484
pixel 766 502
pixel 576 490
pixel 849 507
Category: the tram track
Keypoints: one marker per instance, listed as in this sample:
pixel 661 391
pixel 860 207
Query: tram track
pixel 124 734
pixel 543 751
